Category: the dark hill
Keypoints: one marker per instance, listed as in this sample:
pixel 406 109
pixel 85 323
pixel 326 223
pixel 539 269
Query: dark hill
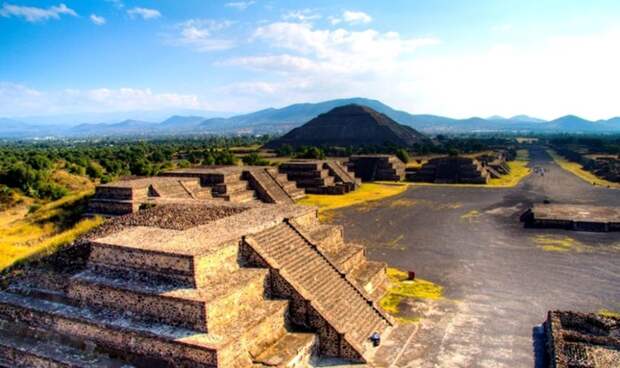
pixel 350 125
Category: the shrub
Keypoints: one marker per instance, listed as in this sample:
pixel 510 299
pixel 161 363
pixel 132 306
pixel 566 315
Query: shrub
pixel 402 155
pixel 254 159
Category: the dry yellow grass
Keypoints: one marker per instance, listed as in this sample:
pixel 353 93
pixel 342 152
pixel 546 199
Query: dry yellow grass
pixel 608 313
pixel 401 289
pixel 579 171
pixel 367 192
pixel 11 254
pixel 24 233
pixel 518 171
pixel 558 243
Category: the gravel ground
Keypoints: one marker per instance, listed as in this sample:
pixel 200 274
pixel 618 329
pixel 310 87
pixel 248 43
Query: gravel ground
pixel 500 279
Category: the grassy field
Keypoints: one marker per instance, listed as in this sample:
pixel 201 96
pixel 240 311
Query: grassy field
pixel 32 229
pixel 367 192
pixel 401 289
pixel 579 171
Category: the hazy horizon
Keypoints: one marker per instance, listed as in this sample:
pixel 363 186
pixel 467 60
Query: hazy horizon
pixel 450 58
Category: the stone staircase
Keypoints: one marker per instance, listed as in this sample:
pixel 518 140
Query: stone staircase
pixel 268 287
pixel 268 189
pixel 377 167
pixel 332 303
pixel 319 177
pixel 343 175
pixel 348 258
pixel 169 309
pixel 234 188
pixel 290 187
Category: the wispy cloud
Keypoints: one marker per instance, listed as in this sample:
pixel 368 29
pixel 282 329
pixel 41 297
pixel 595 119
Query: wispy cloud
pixel 304 15
pixel 201 35
pixel 117 3
pixel 21 100
pixel 351 17
pixel 33 14
pixel 144 13
pixel 98 20
pixel 240 5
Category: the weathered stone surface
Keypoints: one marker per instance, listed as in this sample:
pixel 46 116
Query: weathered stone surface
pixel 572 217
pixel 377 167
pixel 175 286
pixel 582 340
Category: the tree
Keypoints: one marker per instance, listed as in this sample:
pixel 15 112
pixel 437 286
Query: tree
pixel 254 159
pixel 402 155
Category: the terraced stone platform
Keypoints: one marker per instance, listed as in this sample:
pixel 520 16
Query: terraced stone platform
pixel 572 217
pixel 582 340
pixel 235 184
pixel 255 286
pixel 320 176
pixel 377 167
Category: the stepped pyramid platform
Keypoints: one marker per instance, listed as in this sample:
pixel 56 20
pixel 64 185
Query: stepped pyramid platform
pixel 320 176
pixel 198 286
pixel 377 167
pixel 236 184
pixel 582 340
pixel 451 170
pixel 572 217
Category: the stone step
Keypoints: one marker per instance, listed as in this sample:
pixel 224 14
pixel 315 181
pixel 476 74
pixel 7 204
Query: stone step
pixel 327 237
pixel 174 267
pixel 370 275
pixel 244 196
pixel 267 187
pixel 21 347
pixel 301 166
pixel 347 257
pixel 177 346
pixel 293 350
pixel 307 175
pixel 203 309
pixel 336 298
pixel 229 188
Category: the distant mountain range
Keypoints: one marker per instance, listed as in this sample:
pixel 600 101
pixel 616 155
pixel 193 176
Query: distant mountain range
pixel 280 121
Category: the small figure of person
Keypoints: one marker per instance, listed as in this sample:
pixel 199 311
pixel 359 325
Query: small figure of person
pixel 375 338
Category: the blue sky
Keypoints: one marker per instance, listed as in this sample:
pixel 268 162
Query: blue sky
pixel 456 58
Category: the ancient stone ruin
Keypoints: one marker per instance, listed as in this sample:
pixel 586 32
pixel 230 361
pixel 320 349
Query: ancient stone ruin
pixel 230 183
pixel 461 169
pixel 350 125
pixel 320 176
pixel 572 217
pixel 197 286
pixel 582 340
pixel 606 167
pixel 450 170
pixel 377 167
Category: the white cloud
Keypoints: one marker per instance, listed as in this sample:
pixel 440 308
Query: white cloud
pixel 304 15
pixel 198 34
pixel 340 50
pixel 351 17
pixel 240 5
pixel 145 13
pixel 19 100
pixel 34 14
pixel 118 4
pixel 98 20
pixel 303 63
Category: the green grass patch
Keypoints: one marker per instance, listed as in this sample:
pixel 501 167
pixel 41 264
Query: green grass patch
pixel 402 289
